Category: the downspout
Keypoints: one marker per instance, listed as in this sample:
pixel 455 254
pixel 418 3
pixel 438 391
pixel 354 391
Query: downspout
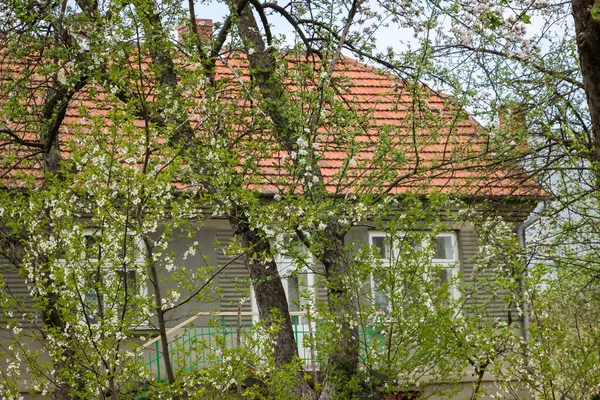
pixel 521 230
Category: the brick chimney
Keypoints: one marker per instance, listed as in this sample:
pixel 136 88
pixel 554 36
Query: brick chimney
pixel 511 117
pixel 203 26
pixel 512 123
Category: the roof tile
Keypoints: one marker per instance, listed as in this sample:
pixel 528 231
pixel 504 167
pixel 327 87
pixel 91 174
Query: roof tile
pixel 452 154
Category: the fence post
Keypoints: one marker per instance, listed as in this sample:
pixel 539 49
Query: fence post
pixel 189 332
pixel 238 341
pixel 312 347
pixel 157 362
pixel 224 332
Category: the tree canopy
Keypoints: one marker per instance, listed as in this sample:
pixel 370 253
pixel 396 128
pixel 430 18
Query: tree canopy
pixel 126 126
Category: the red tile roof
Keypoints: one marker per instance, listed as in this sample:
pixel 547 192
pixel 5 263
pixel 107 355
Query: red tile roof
pixel 439 149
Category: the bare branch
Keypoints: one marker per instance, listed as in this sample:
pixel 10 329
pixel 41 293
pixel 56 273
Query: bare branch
pixel 20 140
pixel 294 24
pixel 514 57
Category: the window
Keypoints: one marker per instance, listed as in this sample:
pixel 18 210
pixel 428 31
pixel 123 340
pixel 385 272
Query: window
pixel 446 255
pixel 406 249
pixel 297 278
pixel 295 266
pixel 116 279
pixel 385 250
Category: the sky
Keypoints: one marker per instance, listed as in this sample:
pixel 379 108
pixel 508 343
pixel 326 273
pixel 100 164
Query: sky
pixel 386 37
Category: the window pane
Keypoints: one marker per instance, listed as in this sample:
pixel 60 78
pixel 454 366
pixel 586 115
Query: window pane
pixel 445 276
pixel 92 307
pixel 92 245
pixel 383 245
pixel 380 299
pixel 90 241
pixel 444 250
pixel 128 280
pixel 293 293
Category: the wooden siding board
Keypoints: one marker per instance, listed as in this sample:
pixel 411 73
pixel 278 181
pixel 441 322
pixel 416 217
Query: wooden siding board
pixel 468 248
pixel 19 290
pixel 231 279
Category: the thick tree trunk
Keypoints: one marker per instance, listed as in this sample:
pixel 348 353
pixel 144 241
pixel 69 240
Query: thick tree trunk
pixel 588 44
pixel 270 298
pixel 268 289
pixel 263 71
pixel 343 361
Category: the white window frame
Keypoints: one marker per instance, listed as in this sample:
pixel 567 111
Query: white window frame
pixel 450 265
pixel 139 261
pixel 287 268
pixel 386 261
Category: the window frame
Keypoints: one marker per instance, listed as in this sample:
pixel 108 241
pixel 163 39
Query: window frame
pixel 451 265
pixel 286 268
pixel 139 261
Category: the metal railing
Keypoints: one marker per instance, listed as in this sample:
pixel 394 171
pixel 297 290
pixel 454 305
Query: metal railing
pixel 193 344
pixel 183 348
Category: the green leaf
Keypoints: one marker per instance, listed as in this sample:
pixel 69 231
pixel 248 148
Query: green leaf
pixel 526 19
pixel 595 12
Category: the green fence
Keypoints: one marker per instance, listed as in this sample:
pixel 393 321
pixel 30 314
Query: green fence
pixel 192 346
pixel 183 348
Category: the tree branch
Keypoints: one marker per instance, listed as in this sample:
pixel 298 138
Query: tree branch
pixel 20 140
pixel 295 25
pixel 263 18
pixel 514 57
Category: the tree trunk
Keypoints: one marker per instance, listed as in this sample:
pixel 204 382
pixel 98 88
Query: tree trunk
pixel 167 77
pixel 270 298
pixel 160 314
pixel 57 99
pixel 268 289
pixel 588 44
pixel 343 361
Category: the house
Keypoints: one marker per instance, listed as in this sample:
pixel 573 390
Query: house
pixel 377 137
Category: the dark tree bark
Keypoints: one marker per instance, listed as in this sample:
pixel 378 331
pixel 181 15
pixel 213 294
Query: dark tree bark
pixel 343 362
pixel 268 289
pixel 588 44
pixel 270 297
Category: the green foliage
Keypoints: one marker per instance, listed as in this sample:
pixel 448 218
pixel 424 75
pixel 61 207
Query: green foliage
pixel 595 11
pixel 163 150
